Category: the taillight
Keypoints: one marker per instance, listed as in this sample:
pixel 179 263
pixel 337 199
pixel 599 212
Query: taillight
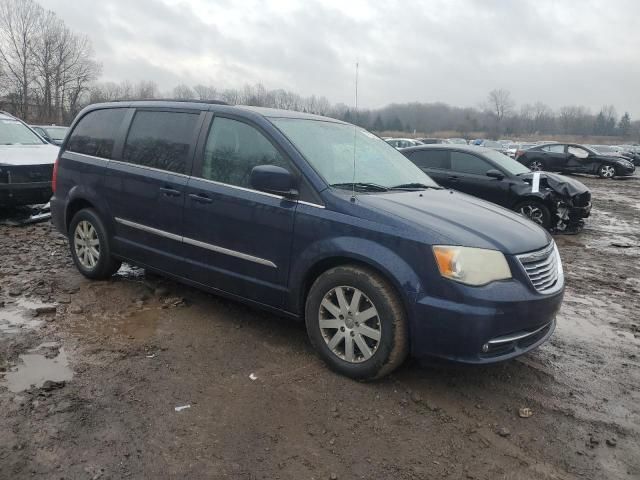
pixel 54 178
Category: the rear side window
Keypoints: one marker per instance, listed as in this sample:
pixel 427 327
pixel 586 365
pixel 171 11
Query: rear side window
pixel 160 140
pixel 233 149
pixel 431 159
pixel 96 133
pixel 467 163
pixel 554 148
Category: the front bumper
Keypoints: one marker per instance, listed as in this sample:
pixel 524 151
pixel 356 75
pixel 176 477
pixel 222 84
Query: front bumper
pixel 17 194
pixel 486 324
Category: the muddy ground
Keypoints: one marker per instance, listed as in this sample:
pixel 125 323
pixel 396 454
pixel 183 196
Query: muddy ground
pixel 91 374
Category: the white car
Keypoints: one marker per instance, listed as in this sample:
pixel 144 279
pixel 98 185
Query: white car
pixel 26 164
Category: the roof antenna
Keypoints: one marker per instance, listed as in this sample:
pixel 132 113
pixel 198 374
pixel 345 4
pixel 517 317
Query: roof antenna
pixel 353 184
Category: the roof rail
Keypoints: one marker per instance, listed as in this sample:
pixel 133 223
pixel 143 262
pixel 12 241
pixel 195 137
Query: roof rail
pixel 180 100
pixel 7 113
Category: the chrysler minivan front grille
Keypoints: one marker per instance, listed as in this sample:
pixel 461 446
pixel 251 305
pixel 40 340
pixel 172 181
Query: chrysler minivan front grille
pixel 542 268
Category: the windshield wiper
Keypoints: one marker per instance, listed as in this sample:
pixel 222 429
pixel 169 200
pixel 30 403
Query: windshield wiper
pixel 371 187
pixel 412 186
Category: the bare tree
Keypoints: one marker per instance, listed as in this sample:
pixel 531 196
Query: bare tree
pixel 183 92
pixel 500 104
pixel 205 92
pixel 19 22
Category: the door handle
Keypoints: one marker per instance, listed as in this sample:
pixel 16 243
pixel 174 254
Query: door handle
pixel 170 192
pixel 200 198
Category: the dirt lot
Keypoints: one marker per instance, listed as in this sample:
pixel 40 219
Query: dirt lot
pixel 111 361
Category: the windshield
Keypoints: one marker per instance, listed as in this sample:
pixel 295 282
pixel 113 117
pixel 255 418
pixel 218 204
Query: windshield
pixel 506 163
pixel 13 132
pixel 57 133
pixel 329 148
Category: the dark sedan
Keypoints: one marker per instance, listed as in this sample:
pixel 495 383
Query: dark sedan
pixel 557 203
pixel 573 158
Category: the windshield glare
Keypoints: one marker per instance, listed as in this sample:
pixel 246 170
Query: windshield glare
pixel 506 163
pixel 13 132
pixel 329 148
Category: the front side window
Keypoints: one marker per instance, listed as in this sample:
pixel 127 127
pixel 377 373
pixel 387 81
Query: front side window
pixel 96 133
pixel 13 132
pixel 467 163
pixel 333 149
pixel 233 148
pixel 578 152
pixel 431 159
pixel 160 140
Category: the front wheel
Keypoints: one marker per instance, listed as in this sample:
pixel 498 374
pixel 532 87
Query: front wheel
pixel 536 165
pixel 536 212
pixel 89 246
pixel 606 171
pixel 356 322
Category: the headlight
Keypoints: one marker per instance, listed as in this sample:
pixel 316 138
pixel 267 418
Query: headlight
pixel 471 266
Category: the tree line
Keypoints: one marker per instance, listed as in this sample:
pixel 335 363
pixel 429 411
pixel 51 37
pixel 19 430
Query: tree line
pixel 48 73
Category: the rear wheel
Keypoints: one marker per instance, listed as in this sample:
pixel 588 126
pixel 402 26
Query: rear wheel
pixel 606 171
pixel 89 246
pixel 536 165
pixel 536 212
pixel 356 322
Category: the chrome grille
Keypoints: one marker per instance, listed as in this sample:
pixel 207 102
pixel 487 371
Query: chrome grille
pixel 541 267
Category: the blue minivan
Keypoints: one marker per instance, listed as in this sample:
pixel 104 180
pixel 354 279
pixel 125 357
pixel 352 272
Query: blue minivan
pixel 308 217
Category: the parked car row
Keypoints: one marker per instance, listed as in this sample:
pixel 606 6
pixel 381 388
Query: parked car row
pixel 552 201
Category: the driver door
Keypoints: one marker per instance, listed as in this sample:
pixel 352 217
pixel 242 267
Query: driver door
pixel 578 160
pixel 237 239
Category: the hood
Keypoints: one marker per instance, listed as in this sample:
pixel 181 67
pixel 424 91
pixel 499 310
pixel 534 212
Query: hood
pixel 565 186
pixel 462 219
pixel 28 154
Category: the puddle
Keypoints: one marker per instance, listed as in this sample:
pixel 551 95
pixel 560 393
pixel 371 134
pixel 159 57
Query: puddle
pixel 19 315
pixel 36 368
pixel 140 324
pixel 129 272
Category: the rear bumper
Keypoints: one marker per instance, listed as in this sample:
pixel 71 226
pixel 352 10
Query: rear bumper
pixel 58 215
pixel 491 324
pixel 16 194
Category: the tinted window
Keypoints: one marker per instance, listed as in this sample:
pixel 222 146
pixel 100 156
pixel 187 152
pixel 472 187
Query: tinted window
pixel 160 140
pixel 431 159
pixel 96 133
pixel 233 149
pixel 554 148
pixel 467 163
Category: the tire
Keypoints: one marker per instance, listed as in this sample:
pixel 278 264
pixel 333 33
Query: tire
pixel 606 171
pixel 535 211
pixel 89 246
pixel 536 165
pixel 369 357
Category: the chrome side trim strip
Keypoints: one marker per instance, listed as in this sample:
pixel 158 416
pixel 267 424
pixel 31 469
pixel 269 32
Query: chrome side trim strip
pixel 516 336
pixel 197 243
pixel 145 167
pixel 226 251
pixel 144 228
pixel 311 204
pixel 236 187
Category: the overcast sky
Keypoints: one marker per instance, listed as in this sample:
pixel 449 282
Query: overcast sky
pixel 560 52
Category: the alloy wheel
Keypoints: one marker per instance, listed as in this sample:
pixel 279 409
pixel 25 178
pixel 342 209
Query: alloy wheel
pixel 533 213
pixel 607 171
pixel 350 324
pixel 86 244
pixel 536 166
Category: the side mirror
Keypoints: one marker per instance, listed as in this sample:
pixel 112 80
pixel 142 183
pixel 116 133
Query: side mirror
pixel 273 179
pixel 495 174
